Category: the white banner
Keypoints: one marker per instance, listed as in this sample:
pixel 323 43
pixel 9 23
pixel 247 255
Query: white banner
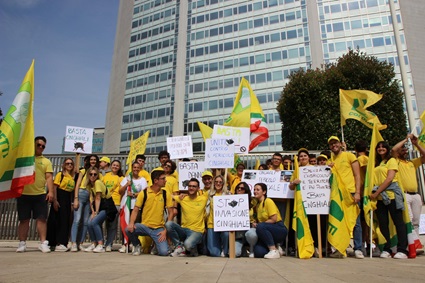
pixel 231 213
pixel 219 154
pixel 315 189
pixel 189 170
pixel 277 182
pixel 240 137
pixel 78 139
pixel 180 147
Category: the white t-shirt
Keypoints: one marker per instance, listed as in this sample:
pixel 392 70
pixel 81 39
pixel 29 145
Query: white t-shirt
pixel 139 184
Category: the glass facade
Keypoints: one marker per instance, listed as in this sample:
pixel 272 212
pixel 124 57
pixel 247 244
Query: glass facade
pixel 263 41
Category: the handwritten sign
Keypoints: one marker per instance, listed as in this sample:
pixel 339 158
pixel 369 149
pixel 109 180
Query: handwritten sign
pixel 315 189
pixel 231 213
pixel 189 170
pixel 219 154
pixel 422 224
pixel 180 147
pixel 239 136
pixel 277 182
pixel 78 139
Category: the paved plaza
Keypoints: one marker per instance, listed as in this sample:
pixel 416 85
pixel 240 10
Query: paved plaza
pixel 34 266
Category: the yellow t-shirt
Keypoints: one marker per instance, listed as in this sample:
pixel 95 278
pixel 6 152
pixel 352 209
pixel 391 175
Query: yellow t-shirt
pixel 172 186
pixel 381 173
pixel 175 174
pixel 42 166
pixel 99 187
pixel 268 209
pixel 406 174
pixel 145 174
pixel 234 181
pixel 343 168
pixel 84 180
pixel 153 211
pixel 193 212
pixel 210 222
pixel 112 183
pixel 67 184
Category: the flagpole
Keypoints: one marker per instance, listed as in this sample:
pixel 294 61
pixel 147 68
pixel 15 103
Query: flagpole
pixel 371 233
pixel 342 134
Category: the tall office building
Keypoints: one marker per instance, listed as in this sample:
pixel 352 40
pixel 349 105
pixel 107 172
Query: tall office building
pixel 179 62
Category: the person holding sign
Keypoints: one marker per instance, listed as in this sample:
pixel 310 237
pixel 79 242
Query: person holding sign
pixel 193 227
pixel 269 226
pixel 217 242
pixel 389 198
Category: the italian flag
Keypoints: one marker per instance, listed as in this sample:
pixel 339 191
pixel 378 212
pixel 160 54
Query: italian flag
pixel 125 213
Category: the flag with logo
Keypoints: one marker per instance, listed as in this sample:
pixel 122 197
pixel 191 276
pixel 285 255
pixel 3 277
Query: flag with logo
pixel 17 141
pixel 300 221
pixel 248 113
pixel 419 130
pixel 353 105
pixel 137 146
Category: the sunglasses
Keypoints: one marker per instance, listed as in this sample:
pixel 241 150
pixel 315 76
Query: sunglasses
pixel 41 145
pixel 240 188
pixel 93 174
pixel 218 182
pixel 69 163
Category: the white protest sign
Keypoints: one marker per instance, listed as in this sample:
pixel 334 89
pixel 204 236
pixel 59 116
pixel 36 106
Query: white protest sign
pixel 219 154
pixel 315 189
pixel 78 139
pixel 180 147
pixel 231 213
pixel 239 136
pixel 422 224
pixel 189 170
pixel 277 182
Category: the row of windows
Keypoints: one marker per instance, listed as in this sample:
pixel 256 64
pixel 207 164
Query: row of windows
pixel 155 17
pixel 355 5
pixel 356 24
pixel 257 5
pixel 249 60
pixel 360 43
pixel 147 6
pixel 148 97
pixel 151 63
pixel 284 35
pixel 152 32
pixel 246 25
pixel 152 47
pixel 146 115
pixel 257 78
pixel 154 132
pixel 150 80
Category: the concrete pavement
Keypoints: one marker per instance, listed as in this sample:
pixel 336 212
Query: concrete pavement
pixel 34 266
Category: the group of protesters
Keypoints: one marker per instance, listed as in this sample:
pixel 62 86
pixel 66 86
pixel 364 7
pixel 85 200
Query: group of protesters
pixel 162 220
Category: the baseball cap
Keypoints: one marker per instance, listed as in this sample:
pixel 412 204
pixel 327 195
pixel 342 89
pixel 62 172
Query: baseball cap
pixel 333 138
pixel 207 173
pixel 106 159
pixel 322 156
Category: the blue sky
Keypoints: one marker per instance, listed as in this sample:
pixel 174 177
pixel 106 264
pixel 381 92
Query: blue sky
pixel 72 42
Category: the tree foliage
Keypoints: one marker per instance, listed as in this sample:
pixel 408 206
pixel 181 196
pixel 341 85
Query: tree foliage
pixel 309 105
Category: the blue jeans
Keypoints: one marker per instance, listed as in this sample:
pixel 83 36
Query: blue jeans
pixel 143 230
pixel 83 212
pixel 217 242
pixel 95 226
pixel 111 229
pixel 178 234
pixel 271 234
pixel 252 238
pixel 357 234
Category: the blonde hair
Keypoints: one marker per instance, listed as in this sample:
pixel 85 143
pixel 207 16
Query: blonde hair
pixel 88 184
pixel 225 190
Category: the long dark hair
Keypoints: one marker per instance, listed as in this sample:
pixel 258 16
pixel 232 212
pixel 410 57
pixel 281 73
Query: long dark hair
pixel 119 172
pixel 264 189
pixel 87 161
pixel 378 158
pixel 247 191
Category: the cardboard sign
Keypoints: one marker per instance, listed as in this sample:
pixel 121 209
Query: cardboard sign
pixel 180 147
pixel 231 213
pixel 78 139
pixel 315 189
pixel 189 170
pixel 277 182
pixel 240 137
pixel 219 154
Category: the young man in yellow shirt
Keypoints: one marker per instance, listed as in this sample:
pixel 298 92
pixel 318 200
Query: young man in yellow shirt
pixel 189 234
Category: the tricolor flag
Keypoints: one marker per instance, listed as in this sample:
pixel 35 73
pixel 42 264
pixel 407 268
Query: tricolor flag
pixel 247 113
pixel 17 141
pixel 125 207
pixel 353 104
pixel 300 221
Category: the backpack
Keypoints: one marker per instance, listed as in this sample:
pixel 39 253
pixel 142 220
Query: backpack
pixel 145 196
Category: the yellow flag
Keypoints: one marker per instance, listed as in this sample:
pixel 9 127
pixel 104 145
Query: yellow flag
pixel 206 131
pixel 17 141
pixel 421 136
pixel 300 221
pixel 137 146
pixel 353 104
pixel 257 164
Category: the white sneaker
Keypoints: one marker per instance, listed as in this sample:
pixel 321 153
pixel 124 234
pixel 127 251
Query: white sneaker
pixel 123 249
pixel 22 247
pixel 44 247
pixel 177 251
pixel 358 254
pixel 61 248
pixel 400 255
pixel 136 250
pixel 99 249
pixel 272 254
pixel 251 255
pixel 281 251
pixel 90 248
pixel 385 254
pixel 154 250
pixel 74 248
pixel 108 249
pixel 222 254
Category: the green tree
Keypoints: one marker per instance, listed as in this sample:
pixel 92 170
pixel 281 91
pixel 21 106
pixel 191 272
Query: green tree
pixel 309 105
